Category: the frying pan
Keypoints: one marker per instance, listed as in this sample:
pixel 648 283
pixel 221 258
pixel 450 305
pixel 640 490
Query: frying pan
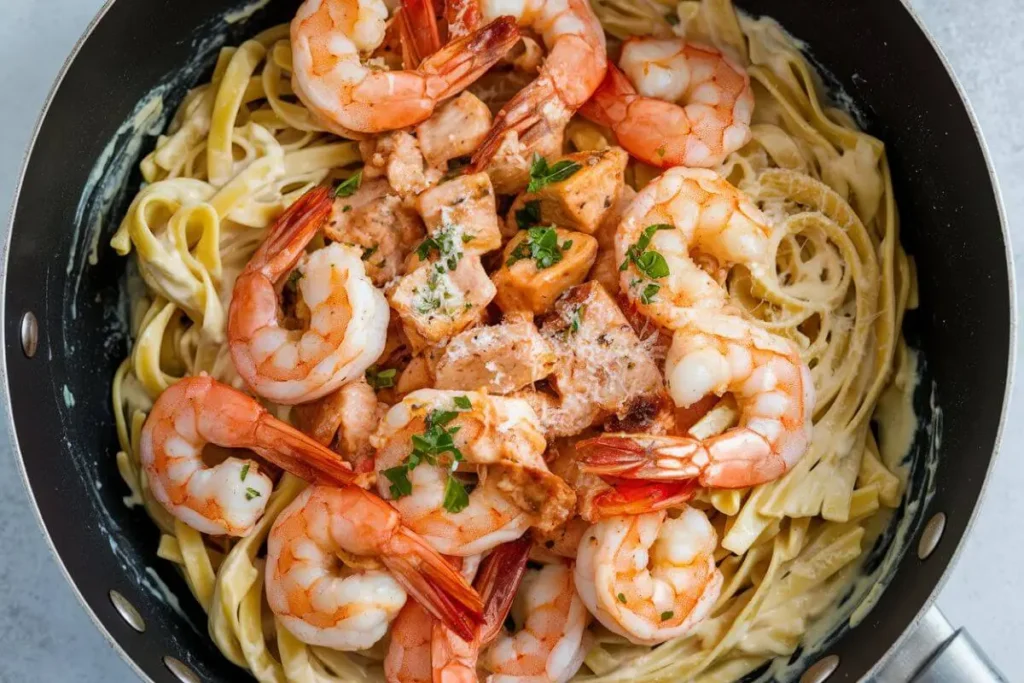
pixel 65 332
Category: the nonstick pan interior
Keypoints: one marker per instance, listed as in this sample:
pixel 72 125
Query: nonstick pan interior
pixel 128 77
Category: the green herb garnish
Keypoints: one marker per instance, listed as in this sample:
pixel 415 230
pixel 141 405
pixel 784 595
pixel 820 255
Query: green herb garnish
pixel 348 187
pixel 665 616
pixel 541 245
pixel 380 379
pixel 542 175
pixel 649 262
pixel 622 598
pixel 430 447
pixel 647 296
pixel 443 243
pixel 456 498
pixel 244 473
pixel 529 215
pixel 399 478
pixel 463 403
pixel 251 493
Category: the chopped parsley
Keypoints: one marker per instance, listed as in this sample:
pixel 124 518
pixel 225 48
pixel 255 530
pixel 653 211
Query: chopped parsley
pixel 380 379
pixel 443 242
pixel 647 261
pixel 431 447
pixel 244 473
pixel 346 208
pixel 622 598
pixel 650 291
pixel 370 251
pixel 541 245
pixel 251 493
pixel 576 319
pixel 665 616
pixel 542 175
pixel 348 187
pixel 529 215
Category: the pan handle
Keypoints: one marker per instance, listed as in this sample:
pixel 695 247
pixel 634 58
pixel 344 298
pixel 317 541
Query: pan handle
pixel 935 652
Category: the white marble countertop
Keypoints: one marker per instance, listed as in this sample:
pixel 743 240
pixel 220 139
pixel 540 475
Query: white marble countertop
pixel 38 614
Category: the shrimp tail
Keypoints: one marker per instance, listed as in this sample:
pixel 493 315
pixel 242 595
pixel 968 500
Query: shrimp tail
pixel 300 455
pixel 523 116
pixel 434 583
pixel 638 497
pixel 497 582
pixel 291 232
pixel 627 457
pixel 418 30
pixel 455 66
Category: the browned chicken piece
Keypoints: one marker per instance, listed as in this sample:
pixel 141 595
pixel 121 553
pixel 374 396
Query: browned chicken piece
pixel 563 541
pixel 497 359
pixel 376 219
pixel 548 499
pixel 466 202
pixel 416 375
pixel 604 369
pixel 397 157
pixel 580 202
pixel 455 129
pixel 346 419
pixel 523 286
pixel 435 301
pixel 509 167
pixel 606 266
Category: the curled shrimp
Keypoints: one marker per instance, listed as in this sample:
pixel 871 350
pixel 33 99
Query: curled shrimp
pixel 716 354
pixel 329 39
pixel 697 99
pixel 228 498
pixel 423 649
pixel 575 64
pixel 422 439
pixel 347 316
pixel 649 577
pixel 684 215
pixel 324 601
pixel 549 641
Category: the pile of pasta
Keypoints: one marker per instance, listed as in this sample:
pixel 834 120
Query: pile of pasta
pixel 240 149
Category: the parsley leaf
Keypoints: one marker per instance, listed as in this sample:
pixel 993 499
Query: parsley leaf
pixel 666 615
pixel 380 379
pixel 541 244
pixel 463 403
pixel 529 215
pixel 542 175
pixel 244 472
pixel 456 498
pixel 348 187
pixel 650 263
pixel 399 478
pixel 251 493
pixel 443 242
pixel 576 319
pixel 647 296
pixel 622 598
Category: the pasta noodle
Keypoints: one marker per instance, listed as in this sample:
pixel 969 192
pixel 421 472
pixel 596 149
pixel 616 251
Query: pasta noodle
pixel 241 148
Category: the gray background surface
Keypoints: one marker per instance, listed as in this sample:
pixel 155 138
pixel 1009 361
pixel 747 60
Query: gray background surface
pixel 46 636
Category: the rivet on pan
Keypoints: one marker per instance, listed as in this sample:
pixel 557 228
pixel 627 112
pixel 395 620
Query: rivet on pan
pixel 29 334
pixel 181 670
pixel 821 670
pixel 931 535
pixel 127 611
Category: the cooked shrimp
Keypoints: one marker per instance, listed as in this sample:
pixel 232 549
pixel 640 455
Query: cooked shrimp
pixel 697 99
pixel 536 117
pixel 329 39
pixel 347 315
pixel 715 354
pixel 431 432
pixel 230 497
pixel 423 650
pixel 687 212
pixel 649 577
pixel 548 644
pixel 323 601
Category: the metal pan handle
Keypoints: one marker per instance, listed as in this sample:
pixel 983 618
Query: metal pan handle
pixel 937 653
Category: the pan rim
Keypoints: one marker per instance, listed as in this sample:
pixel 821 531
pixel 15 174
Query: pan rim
pixel 5 392
pixel 1011 359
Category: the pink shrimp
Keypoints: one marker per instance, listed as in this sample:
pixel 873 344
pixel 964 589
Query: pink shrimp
pixel 711 120
pixel 230 497
pixel 329 39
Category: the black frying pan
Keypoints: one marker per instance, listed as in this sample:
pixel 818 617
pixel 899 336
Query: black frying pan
pixel 58 372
